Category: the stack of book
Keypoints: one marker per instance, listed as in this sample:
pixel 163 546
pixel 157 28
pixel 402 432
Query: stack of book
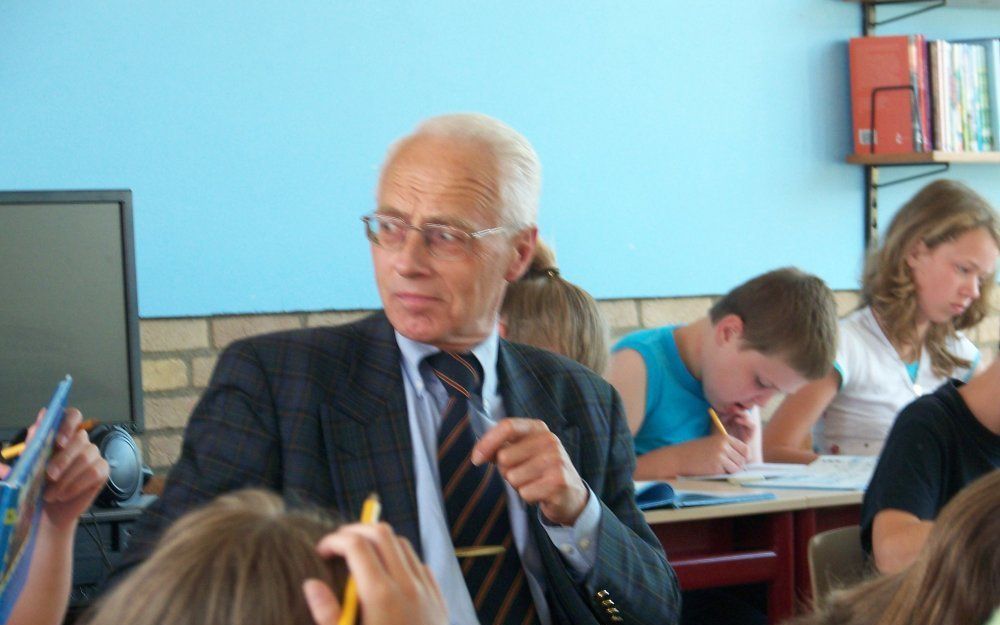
pixel 910 96
pixel 966 90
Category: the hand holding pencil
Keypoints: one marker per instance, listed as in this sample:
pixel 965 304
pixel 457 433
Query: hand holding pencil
pixel 76 471
pixel 391 583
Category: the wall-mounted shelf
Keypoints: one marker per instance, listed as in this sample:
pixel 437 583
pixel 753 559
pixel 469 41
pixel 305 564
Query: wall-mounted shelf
pixel 872 162
pixel 921 158
pixel 972 4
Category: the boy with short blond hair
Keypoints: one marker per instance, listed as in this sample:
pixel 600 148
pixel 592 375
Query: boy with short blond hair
pixel 770 334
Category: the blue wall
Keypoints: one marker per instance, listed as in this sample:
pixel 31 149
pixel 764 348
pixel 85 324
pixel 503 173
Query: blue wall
pixel 685 149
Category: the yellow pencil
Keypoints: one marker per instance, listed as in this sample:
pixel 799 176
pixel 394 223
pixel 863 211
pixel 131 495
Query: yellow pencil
pixel 9 453
pixel 479 552
pixel 718 422
pixel 370 512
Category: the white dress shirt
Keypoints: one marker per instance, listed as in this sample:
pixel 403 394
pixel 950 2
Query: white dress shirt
pixel 425 399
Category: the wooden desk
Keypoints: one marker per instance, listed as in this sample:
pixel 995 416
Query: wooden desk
pixel 753 542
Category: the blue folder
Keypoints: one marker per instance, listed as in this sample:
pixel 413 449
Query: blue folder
pixel 652 495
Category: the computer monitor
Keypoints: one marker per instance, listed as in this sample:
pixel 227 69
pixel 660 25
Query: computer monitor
pixel 68 305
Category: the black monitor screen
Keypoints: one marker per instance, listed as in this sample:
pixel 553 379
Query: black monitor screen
pixel 67 285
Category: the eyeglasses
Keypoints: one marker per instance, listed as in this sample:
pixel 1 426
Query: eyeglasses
pixel 444 242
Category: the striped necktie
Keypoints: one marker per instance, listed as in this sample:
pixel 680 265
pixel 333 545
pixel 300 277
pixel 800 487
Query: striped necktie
pixel 476 502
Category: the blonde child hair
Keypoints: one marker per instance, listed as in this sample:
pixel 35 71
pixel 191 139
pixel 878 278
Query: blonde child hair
pixel 240 559
pixel 956 579
pixel 546 310
pixel 942 211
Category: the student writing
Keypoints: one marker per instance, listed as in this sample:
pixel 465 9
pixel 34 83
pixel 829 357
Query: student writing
pixel 770 334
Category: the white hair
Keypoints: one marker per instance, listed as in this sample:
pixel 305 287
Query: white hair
pixel 519 170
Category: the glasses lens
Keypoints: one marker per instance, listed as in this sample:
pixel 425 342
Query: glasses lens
pixel 445 241
pixel 386 231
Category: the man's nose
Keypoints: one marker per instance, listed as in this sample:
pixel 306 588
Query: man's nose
pixel 413 256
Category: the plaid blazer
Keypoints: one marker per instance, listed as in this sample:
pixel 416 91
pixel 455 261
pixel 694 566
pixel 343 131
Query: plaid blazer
pixel 320 415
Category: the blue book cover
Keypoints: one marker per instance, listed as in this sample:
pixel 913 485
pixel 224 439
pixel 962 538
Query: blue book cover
pixel 21 501
pixel 652 495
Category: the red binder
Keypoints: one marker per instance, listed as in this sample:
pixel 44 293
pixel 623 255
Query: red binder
pixel 889 72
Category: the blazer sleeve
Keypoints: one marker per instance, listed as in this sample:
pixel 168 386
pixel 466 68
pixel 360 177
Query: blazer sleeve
pixel 231 442
pixel 631 581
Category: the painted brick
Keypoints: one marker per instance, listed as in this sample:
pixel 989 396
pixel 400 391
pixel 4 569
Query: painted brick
pixel 167 335
pixel 620 313
pixel 989 331
pixel 225 330
pixel 164 374
pixel 847 301
pixel 201 370
pixel 162 450
pixel 335 318
pixel 661 312
pixel 995 298
pixel 168 412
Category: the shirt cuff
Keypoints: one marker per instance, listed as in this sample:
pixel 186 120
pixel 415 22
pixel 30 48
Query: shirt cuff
pixel 578 543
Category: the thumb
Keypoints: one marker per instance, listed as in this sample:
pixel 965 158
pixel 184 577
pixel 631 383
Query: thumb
pixel 4 470
pixel 322 602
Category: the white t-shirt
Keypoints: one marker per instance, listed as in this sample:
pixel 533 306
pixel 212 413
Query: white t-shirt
pixel 875 385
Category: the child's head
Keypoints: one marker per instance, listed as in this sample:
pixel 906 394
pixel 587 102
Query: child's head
pixel 544 310
pixel 935 267
pixel 240 559
pixel 956 578
pixel 770 334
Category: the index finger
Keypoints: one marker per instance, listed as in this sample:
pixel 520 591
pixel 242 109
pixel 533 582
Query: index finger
pixel 67 429
pixel 507 431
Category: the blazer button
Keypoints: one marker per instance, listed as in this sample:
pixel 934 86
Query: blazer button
pixel 601 594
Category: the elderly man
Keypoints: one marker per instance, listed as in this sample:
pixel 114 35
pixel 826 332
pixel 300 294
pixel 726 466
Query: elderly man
pixel 509 468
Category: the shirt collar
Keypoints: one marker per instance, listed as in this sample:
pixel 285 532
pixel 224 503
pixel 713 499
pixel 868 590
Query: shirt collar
pixel 414 352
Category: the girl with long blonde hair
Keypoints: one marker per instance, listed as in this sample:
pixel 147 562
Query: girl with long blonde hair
pixel 930 279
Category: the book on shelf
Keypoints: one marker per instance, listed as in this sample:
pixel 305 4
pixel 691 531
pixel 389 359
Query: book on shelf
pixel 966 94
pixel 889 99
pixel 653 495
pixel 21 501
pixel 986 65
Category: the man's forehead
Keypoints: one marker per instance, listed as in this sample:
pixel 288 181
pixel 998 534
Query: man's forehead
pixel 440 177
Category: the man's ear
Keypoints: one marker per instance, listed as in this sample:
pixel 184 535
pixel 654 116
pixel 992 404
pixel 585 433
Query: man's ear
pixel 524 251
pixel 728 329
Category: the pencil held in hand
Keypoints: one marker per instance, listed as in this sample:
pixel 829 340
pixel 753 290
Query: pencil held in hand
pixel 370 512
pixel 9 453
pixel 718 422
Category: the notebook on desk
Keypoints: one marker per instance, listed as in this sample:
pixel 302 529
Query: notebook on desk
pixel 653 495
pixel 824 473
pixel 752 472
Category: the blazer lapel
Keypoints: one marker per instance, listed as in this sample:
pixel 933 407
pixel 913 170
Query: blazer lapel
pixel 366 432
pixel 524 395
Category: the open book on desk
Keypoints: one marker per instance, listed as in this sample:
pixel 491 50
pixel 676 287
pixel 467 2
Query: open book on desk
pixel 752 472
pixel 652 495
pixel 824 473
pixel 21 502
